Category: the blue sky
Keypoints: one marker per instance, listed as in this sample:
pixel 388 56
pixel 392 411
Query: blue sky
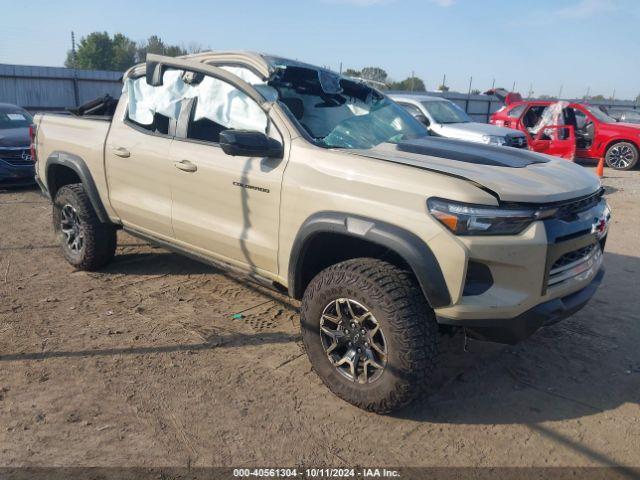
pixel 576 44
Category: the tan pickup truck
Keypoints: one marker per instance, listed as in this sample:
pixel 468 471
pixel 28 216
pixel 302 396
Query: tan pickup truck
pixel 322 187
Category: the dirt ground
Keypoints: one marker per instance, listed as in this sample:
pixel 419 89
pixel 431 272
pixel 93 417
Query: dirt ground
pixel 144 364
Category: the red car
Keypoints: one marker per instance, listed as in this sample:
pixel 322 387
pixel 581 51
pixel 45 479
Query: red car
pixel 571 130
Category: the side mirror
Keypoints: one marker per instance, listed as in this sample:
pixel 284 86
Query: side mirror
pixel 248 143
pixel 422 119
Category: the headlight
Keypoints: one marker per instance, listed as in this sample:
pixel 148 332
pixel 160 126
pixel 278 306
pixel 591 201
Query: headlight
pixel 468 219
pixel 494 140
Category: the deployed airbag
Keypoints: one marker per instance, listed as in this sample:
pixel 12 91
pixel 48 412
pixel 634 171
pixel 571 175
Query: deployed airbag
pixel 217 101
pixel 552 115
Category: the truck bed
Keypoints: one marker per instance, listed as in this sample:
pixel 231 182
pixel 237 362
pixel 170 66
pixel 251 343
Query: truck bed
pixel 83 137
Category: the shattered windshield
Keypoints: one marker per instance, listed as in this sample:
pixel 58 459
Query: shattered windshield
pixel 340 113
pixel 446 112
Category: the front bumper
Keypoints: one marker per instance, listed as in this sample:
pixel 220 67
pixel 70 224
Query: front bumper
pixel 513 284
pixel 16 175
pixel 514 330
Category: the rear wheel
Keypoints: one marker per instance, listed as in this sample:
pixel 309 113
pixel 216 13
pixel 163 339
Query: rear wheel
pixel 622 156
pixel 369 333
pixel 87 243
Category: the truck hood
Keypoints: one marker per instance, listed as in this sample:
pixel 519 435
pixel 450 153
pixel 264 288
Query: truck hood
pixel 15 137
pixel 514 175
pixel 473 130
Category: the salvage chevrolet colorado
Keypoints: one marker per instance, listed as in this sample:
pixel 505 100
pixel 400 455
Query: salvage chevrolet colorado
pixel 322 187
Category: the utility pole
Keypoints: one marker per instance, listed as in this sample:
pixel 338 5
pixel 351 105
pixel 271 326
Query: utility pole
pixel 530 90
pixel 444 82
pixel 613 97
pixel 466 105
pixel 586 97
pixel 513 89
pixel 493 84
pixel 340 68
pixel 560 92
pixel 74 55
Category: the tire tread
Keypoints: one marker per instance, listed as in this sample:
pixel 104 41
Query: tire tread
pixel 398 295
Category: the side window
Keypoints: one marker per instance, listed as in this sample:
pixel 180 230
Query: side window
pixel 516 111
pixel 155 109
pixel 533 115
pixel 219 106
pixel 581 119
pixel 412 109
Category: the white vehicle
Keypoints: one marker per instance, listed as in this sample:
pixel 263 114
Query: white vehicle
pixel 444 118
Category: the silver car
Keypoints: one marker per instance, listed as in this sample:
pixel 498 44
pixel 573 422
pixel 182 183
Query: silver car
pixel 444 118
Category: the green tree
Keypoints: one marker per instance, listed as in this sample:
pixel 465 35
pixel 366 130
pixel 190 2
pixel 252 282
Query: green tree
pixel 375 74
pixel 350 72
pixel 124 52
pixel 443 88
pixel 414 84
pixel 154 44
pixel 99 51
pixel 95 52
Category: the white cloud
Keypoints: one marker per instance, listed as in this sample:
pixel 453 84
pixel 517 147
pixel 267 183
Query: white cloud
pixel 586 8
pixel 444 3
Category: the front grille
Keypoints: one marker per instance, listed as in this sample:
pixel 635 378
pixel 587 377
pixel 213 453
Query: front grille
pixel 16 156
pixel 576 263
pixel 571 209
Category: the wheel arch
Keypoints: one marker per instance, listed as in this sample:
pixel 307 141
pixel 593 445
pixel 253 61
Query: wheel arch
pixel 326 238
pixel 612 142
pixel 64 168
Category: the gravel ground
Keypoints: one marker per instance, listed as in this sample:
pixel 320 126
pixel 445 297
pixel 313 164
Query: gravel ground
pixel 144 364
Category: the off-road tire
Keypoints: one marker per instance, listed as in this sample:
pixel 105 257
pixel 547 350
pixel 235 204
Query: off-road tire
pixel 626 150
pixel 99 239
pixel 407 321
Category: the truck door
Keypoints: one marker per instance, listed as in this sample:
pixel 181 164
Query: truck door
pixel 586 131
pixel 227 207
pixel 138 166
pixel 556 140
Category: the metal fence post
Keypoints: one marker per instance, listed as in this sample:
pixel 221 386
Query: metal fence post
pixel 488 110
pixel 76 90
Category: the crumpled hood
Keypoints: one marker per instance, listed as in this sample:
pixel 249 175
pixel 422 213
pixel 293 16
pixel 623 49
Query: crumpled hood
pixel 15 137
pixel 513 174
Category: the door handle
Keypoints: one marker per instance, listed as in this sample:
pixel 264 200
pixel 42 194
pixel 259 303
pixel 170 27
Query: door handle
pixel 121 152
pixel 186 166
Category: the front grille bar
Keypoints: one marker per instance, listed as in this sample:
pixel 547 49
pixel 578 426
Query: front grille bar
pixel 591 260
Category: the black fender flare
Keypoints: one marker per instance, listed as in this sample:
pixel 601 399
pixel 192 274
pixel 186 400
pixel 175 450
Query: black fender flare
pixel 415 252
pixel 78 165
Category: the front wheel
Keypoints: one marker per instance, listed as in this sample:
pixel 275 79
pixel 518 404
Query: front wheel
pixel 369 333
pixel 622 156
pixel 87 243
